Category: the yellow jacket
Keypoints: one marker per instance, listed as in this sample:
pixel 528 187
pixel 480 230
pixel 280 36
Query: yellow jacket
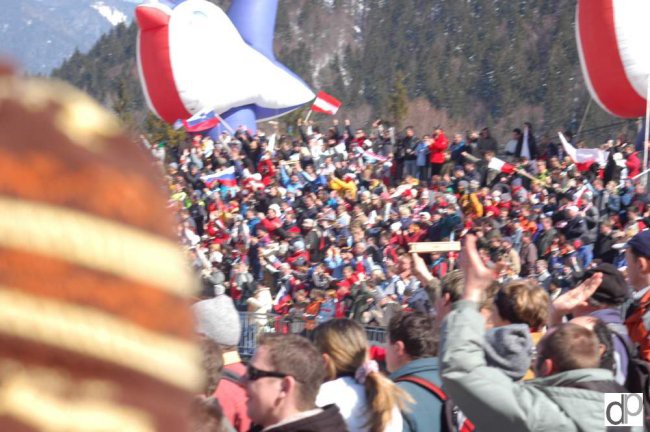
pixel 346 186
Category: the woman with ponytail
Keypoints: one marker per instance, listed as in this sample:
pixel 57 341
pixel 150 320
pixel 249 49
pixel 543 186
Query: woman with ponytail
pixel 368 401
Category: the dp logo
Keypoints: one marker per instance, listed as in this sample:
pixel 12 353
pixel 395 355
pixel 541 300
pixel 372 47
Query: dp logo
pixel 623 409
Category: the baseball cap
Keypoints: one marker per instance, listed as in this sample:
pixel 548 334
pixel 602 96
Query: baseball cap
pixel 640 243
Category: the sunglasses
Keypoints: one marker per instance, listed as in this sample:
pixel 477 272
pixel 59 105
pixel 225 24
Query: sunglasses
pixel 253 374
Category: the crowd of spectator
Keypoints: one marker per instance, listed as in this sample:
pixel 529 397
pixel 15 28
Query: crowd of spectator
pixel 317 228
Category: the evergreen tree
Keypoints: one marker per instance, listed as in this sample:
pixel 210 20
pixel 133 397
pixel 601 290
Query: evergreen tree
pixel 160 132
pixel 398 106
pixel 123 105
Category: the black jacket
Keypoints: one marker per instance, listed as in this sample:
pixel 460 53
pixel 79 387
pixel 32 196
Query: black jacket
pixel 544 241
pixel 603 248
pixel 575 228
pixel 328 420
pixel 532 147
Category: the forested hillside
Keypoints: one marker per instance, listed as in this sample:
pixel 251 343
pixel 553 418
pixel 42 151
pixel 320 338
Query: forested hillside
pixel 459 63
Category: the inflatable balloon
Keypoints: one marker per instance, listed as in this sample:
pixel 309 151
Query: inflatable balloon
pixel 192 57
pixel 613 38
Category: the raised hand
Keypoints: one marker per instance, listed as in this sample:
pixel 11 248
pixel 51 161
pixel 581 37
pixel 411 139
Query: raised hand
pixel 420 269
pixel 575 298
pixel 478 277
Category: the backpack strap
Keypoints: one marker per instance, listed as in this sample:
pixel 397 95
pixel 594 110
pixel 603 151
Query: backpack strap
pixel 621 333
pixel 231 376
pixel 449 413
pixel 427 385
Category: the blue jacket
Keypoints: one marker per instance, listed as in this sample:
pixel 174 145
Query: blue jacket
pixel 422 154
pixel 426 412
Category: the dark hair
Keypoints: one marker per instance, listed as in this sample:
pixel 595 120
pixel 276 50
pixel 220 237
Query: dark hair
pixel 452 284
pixel 417 332
pixel 294 355
pixel 606 338
pixel 570 346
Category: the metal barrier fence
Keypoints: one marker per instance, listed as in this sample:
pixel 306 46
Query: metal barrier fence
pixel 253 325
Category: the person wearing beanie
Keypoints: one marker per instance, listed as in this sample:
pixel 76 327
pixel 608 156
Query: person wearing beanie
pixel 217 319
pixel 509 348
pixel 637 255
pixel 96 333
pixel 299 256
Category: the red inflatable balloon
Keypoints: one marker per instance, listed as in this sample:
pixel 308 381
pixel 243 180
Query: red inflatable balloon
pixel 613 37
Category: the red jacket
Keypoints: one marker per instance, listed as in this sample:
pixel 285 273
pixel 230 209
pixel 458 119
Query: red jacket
pixel 271 225
pixel 232 398
pixel 295 257
pixel 438 148
pixel 637 328
pixel 633 164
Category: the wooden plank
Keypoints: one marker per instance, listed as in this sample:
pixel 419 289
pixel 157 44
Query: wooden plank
pixel 428 247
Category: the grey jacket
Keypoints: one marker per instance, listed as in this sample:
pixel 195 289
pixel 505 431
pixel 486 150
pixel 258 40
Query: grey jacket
pixel 493 402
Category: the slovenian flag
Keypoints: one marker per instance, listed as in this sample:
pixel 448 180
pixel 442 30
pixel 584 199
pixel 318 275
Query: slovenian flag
pixel 584 157
pixel 225 177
pixel 501 165
pixel 326 104
pixel 202 120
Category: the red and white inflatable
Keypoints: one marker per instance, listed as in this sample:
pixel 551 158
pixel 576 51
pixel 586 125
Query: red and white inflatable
pixel 614 46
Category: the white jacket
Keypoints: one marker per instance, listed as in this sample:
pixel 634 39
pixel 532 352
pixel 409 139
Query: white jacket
pixel 261 305
pixel 350 397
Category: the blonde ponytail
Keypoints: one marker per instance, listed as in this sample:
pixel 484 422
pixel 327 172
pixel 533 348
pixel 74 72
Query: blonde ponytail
pixel 346 347
pixel 383 395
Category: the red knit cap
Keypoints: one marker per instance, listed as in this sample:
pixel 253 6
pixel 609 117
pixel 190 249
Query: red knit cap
pixel 93 289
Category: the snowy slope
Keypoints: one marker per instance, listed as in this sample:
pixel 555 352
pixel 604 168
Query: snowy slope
pixel 38 35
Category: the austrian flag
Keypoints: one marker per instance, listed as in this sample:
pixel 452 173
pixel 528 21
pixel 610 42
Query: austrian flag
pixel 501 165
pixel 326 104
pixel 583 158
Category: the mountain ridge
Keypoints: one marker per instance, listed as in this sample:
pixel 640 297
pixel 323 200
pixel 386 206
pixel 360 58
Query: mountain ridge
pixel 463 64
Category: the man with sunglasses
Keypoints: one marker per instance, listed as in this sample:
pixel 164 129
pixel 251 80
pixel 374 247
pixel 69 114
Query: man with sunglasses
pixel 282 381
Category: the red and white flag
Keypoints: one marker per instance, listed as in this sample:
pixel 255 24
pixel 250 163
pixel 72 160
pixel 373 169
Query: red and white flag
pixel 584 158
pixel 326 104
pixel 501 165
pixel 375 156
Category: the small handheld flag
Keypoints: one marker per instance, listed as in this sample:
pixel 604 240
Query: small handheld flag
pixel 225 177
pixel 201 121
pixel 501 165
pixel 326 104
pixel 584 157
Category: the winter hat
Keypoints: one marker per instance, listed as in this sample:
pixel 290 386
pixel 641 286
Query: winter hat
pixel 217 319
pixel 299 245
pixel 509 348
pixel 613 289
pixel 275 208
pixel 108 335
